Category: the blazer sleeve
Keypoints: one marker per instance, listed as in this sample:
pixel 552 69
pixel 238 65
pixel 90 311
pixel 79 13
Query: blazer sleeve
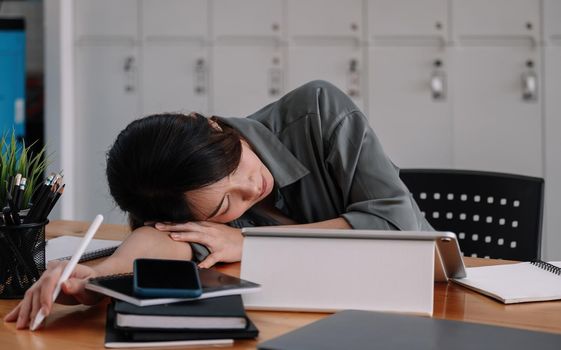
pixel 375 197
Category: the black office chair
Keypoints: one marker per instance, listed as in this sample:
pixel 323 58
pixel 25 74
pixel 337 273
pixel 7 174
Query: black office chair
pixel 494 215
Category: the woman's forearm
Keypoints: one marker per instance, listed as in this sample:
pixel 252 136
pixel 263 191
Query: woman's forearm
pixel 144 242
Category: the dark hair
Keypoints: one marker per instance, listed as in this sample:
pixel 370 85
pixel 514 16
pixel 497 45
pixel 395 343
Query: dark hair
pixel 156 159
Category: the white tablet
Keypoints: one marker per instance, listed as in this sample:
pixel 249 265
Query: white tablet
pixel 332 269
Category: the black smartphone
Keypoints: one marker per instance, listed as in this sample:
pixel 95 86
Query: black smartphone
pixel 162 278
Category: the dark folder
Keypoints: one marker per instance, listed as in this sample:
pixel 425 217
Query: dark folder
pixel 359 330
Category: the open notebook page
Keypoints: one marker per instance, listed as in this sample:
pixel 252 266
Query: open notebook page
pixel 514 283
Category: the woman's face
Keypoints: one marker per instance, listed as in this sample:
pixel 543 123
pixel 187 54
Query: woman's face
pixel 229 198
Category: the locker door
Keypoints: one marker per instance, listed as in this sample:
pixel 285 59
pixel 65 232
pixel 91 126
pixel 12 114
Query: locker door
pixel 552 30
pixel 407 18
pixel 245 78
pixel 106 101
pixel 552 239
pixel 324 18
pixel 174 18
pixel 325 42
pixel 413 120
pixel 247 18
pixel 552 25
pixel 106 19
pixel 174 78
pixel 497 18
pixel 340 65
pixel 495 127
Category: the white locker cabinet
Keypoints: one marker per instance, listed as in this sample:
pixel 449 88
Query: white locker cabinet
pixel 174 56
pixel 408 18
pixel 342 65
pixel 495 127
pixel 245 78
pixel 410 104
pixel 552 60
pixel 174 78
pixel 174 19
pixel 106 101
pixel 497 18
pixel 325 18
pixel 552 128
pixel 103 19
pixel 230 58
pixel 552 21
pixel 325 42
pixel 247 19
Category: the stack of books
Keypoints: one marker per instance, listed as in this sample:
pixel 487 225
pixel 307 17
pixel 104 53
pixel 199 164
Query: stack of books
pixel 217 317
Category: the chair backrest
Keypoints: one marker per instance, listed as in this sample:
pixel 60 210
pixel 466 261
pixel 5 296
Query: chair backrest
pixel 494 215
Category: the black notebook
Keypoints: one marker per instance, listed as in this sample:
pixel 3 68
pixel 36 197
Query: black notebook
pixel 214 283
pixel 359 330
pixel 118 338
pixel 225 312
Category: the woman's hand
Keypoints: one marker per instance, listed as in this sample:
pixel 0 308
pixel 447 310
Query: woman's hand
pixel 224 242
pixel 40 294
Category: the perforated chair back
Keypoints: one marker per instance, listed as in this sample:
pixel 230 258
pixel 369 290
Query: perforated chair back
pixel 494 215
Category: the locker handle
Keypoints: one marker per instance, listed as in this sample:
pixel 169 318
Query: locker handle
pixel 438 85
pixel 275 81
pixel 130 74
pixel 129 62
pixel 353 79
pixel 529 85
pixel 200 76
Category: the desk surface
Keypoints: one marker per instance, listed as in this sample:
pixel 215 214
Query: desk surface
pixel 72 327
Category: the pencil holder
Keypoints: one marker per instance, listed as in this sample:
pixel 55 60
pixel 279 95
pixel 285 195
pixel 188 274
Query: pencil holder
pixel 22 258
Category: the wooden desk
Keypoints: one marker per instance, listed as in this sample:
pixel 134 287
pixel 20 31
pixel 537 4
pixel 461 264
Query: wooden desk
pixel 82 327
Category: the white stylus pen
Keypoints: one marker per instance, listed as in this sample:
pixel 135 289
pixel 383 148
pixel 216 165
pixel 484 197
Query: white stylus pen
pixel 70 267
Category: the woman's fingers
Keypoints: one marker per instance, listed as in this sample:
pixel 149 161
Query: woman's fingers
pixel 23 316
pixel 48 282
pixel 39 296
pixel 76 288
pixel 209 262
pixel 186 226
pixel 224 242
pixel 195 237
pixel 13 315
pixel 35 306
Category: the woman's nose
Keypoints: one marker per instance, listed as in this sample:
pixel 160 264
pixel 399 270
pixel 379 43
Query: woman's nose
pixel 249 188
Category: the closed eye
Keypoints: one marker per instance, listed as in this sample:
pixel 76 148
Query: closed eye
pixel 217 209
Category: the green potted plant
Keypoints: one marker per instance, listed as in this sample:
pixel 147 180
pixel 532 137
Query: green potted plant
pixel 22 241
pixel 15 159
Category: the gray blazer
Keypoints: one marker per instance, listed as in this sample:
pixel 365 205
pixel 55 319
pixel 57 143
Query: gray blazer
pixel 327 162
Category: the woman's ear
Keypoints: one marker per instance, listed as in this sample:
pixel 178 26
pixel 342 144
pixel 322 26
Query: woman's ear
pixel 214 124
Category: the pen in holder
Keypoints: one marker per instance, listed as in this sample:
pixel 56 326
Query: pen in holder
pixel 22 234
pixel 25 203
pixel 22 258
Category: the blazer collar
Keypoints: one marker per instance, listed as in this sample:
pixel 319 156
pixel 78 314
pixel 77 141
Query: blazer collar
pixel 284 166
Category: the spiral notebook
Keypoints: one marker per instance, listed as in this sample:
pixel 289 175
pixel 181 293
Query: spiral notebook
pixel 516 283
pixel 62 248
